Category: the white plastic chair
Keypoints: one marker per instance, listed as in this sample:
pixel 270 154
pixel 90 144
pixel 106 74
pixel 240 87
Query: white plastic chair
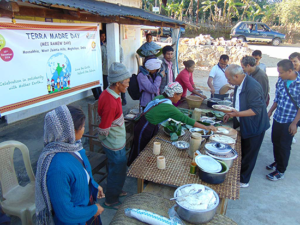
pixel 18 201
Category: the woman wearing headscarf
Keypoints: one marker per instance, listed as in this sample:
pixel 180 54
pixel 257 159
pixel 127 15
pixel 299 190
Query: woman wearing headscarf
pixel 156 112
pixel 65 190
pixel 185 79
pixel 149 80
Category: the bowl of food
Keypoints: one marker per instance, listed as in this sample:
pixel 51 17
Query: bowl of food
pixel 225 102
pixel 206 199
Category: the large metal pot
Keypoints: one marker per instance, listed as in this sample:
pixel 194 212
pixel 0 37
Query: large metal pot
pixel 227 161
pixel 197 216
pixel 212 101
pixel 214 178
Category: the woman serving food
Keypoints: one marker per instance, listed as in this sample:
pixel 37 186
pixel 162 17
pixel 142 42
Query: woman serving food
pixel 157 111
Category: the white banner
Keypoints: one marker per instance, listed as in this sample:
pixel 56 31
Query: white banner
pixel 41 62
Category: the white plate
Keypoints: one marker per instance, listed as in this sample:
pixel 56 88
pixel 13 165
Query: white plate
pixel 208 164
pixel 222 139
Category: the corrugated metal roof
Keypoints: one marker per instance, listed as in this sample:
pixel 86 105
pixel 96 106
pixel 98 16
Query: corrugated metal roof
pixel 107 9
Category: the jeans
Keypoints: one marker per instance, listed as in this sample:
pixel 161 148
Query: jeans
pixel 117 169
pixel 250 149
pixel 96 92
pixel 282 142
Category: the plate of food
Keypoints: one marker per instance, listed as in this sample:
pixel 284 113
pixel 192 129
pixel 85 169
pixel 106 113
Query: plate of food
pixel 223 108
pixel 222 139
pixel 221 130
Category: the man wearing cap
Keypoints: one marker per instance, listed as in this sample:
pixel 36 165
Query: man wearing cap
pixel 112 133
pixel 149 80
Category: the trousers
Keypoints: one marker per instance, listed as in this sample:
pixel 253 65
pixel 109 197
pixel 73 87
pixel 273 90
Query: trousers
pixel 250 149
pixel 117 169
pixel 282 144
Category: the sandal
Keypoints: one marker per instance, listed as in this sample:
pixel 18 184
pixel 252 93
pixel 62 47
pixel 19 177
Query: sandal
pixel 123 194
pixel 114 206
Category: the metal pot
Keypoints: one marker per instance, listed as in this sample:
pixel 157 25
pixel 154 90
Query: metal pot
pixel 212 101
pixel 227 161
pixel 197 216
pixel 214 178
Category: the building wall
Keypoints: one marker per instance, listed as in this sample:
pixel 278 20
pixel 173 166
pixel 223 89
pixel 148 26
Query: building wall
pixel 130 39
pixel 131 3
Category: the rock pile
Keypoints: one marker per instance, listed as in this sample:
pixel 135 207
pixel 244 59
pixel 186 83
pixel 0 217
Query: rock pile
pixel 206 51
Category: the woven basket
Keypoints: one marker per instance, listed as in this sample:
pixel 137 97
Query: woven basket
pixel 194 101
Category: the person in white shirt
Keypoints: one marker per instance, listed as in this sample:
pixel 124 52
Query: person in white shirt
pixel 217 79
pixel 258 56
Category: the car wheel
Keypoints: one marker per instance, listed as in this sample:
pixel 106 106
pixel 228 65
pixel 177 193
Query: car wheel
pixel 242 38
pixel 276 41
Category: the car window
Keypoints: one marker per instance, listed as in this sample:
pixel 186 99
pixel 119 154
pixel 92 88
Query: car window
pixel 243 26
pixel 261 27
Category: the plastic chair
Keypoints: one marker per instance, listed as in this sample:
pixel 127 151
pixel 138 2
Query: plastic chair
pixel 18 201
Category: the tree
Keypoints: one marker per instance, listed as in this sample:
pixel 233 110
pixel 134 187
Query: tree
pixel 288 11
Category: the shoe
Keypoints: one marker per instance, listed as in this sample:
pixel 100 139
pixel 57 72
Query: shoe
pixel 294 140
pixel 272 166
pixel 276 175
pixel 244 185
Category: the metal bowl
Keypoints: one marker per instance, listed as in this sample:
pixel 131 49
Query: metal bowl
pixel 225 102
pixel 197 216
pixel 227 161
pixel 182 145
pixel 198 130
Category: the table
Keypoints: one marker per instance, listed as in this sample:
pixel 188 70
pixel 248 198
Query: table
pixel 177 169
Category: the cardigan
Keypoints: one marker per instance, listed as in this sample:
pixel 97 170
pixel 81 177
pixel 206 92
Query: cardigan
pixel 185 79
pixel 252 97
pixel 165 111
pixel 68 189
pixel 112 132
pixel 148 85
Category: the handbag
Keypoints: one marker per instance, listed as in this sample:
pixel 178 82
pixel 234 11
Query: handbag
pixel 293 100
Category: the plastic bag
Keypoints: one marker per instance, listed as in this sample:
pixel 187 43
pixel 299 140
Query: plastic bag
pixel 174 217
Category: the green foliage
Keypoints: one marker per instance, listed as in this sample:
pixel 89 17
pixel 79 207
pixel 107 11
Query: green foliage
pixel 288 11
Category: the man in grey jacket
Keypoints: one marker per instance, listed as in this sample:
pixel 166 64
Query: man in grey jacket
pixel 168 67
pixel 248 64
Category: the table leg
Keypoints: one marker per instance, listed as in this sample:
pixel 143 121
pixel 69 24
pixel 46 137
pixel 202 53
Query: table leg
pixel 140 185
pixel 222 208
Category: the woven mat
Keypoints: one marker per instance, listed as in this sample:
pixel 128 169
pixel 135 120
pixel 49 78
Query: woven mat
pixel 155 204
pixel 178 167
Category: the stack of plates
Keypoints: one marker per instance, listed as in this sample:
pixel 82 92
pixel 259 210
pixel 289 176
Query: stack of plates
pixel 208 164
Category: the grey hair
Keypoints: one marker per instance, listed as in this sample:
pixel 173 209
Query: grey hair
pixel 248 60
pixel 234 69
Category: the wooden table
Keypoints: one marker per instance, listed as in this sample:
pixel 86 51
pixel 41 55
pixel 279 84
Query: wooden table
pixel 177 170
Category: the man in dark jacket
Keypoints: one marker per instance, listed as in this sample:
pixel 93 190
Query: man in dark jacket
pixel 248 64
pixel 250 114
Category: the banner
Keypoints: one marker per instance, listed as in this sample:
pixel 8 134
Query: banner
pixel 42 62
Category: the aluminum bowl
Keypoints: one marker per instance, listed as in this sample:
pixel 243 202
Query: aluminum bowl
pixel 227 161
pixel 197 216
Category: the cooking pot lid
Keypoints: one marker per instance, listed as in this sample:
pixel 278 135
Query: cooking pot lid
pixel 208 164
pixel 218 148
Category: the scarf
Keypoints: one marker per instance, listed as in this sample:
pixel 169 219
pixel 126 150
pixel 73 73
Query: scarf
pixel 59 136
pixel 170 74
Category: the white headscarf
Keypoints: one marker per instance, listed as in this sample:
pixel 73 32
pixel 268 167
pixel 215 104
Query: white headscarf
pixel 153 64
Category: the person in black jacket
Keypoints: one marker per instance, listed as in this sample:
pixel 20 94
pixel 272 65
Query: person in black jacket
pixel 250 114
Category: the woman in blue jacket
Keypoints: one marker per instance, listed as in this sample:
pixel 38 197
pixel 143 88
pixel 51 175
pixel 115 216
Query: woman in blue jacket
pixel 65 188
